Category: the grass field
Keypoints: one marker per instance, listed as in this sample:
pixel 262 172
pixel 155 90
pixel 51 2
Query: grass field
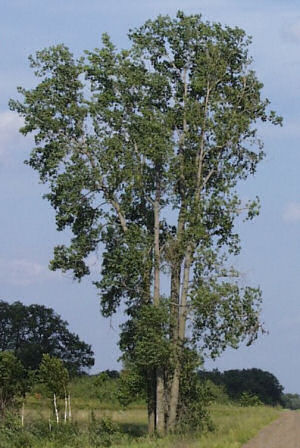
pixel 234 425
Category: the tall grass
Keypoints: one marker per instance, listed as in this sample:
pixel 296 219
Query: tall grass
pixel 234 426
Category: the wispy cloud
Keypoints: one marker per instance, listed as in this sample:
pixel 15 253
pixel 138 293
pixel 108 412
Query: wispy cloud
pixel 10 123
pixel 291 31
pixel 292 212
pixel 24 272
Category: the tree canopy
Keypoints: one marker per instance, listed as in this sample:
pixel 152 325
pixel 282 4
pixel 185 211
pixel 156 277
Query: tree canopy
pixel 33 330
pixel 143 150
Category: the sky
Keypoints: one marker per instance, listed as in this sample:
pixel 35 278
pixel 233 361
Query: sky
pixel 270 254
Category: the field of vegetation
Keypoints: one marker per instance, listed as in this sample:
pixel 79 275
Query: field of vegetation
pixel 97 422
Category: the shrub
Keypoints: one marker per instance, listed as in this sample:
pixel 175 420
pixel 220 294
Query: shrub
pixel 248 399
pixel 103 433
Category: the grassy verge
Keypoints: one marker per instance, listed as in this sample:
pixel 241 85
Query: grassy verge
pixel 234 427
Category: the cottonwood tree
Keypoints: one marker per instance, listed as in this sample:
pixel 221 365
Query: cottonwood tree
pixel 142 150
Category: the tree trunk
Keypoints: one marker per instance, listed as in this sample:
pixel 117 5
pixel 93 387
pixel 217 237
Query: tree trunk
pixel 174 333
pixel 69 406
pixel 55 408
pixel 22 414
pixel 151 394
pixel 182 315
pixel 66 408
pixel 174 398
pixel 151 420
pixel 160 388
pixel 160 401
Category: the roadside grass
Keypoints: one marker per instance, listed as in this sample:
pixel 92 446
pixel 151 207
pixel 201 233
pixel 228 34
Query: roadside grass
pixel 234 426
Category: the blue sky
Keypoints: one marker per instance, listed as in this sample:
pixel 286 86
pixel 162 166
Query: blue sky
pixel 271 244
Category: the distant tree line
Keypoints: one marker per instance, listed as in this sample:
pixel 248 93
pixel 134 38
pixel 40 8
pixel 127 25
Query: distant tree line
pixel 291 401
pixel 256 382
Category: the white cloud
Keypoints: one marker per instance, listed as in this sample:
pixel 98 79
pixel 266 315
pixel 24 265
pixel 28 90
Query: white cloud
pixel 292 212
pixel 291 31
pixel 10 123
pixel 24 272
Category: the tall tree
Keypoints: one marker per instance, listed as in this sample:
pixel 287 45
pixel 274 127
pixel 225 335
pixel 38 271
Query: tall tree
pixel 143 159
pixel 33 330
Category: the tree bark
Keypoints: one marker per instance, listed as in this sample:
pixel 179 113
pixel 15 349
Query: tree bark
pixel 66 408
pixel 69 407
pixel 160 388
pixel 182 315
pixel 55 408
pixel 151 404
pixel 22 414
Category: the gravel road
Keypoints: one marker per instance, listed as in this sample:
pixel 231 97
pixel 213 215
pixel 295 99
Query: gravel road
pixel 282 433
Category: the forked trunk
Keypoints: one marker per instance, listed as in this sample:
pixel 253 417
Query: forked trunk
pixel 182 316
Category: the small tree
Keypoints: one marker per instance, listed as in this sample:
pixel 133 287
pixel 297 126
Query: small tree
pixel 55 377
pixel 12 382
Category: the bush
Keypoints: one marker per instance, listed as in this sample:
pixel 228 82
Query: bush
pixel 218 392
pixel 104 433
pixel 291 401
pixel 12 435
pixel 248 399
pixel 195 396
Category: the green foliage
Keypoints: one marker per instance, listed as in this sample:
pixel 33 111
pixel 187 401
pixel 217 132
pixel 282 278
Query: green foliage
pixel 54 375
pixel 104 433
pixel 132 386
pixel 13 384
pixel 30 331
pixel 106 388
pixel 12 434
pixel 143 158
pixel 144 337
pixel 195 396
pixel 218 392
pixel 255 382
pixel 291 401
pixel 234 426
pixel 224 312
pixel 248 399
